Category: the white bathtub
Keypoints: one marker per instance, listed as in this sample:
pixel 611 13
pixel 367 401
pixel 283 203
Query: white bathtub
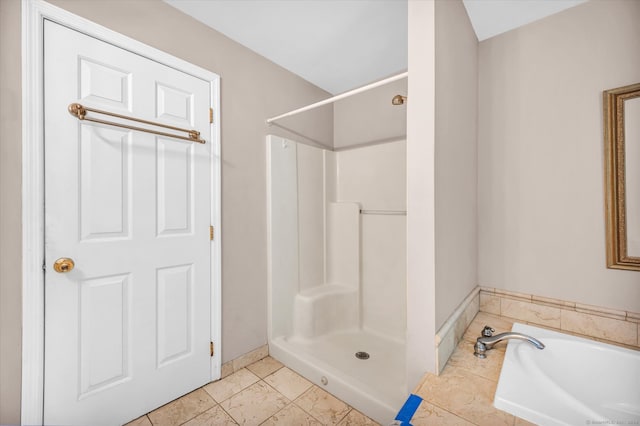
pixel 573 381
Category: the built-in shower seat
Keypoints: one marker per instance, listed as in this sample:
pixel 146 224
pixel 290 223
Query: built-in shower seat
pixel 325 308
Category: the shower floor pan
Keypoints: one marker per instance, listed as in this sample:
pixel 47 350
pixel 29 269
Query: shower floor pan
pixel 374 386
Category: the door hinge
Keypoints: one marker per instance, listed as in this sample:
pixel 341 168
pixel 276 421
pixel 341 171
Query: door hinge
pixel 211 115
pixel 211 348
pixel 211 232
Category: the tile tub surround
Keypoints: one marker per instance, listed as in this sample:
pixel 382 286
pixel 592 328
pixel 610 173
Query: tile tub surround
pixel 463 392
pixel 608 325
pixel 451 332
pixel 262 393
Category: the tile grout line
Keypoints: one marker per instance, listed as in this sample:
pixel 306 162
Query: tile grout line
pixel 245 388
pixel 451 412
pixel 179 398
pixel 260 379
pixel 305 411
pixel 222 408
pixel 271 373
pixel 346 414
pixel 235 393
pixel 459 415
pixel 219 404
pixel 210 397
pixel 477 375
pixel 312 416
pixel 564 305
pixel 300 396
pixel 473 373
pixel 228 414
pixel 290 402
pixel 276 413
pixel 562 328
pixel 276 390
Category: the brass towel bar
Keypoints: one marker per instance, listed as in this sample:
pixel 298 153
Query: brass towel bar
pixel 80 112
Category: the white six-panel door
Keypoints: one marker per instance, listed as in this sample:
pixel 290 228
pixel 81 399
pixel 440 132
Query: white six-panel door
pixel 128 329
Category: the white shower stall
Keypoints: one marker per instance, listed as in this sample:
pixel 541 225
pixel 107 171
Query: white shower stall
pixel 337 269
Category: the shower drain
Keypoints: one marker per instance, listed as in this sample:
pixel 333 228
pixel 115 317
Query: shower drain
pixel 362 355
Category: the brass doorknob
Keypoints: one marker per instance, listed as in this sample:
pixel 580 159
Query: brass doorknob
pixel 64 264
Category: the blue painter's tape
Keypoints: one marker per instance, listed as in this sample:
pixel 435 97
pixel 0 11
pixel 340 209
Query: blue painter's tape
pixel 408 409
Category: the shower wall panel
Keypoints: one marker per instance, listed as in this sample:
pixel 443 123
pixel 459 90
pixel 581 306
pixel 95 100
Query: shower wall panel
pixel 375 177
pixel 384 275
pixel 337 282
pixel 325 253
pixel 311 217
pixel 343 244
pixel 282 196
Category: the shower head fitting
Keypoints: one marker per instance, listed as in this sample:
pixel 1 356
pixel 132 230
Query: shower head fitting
pixel 398 100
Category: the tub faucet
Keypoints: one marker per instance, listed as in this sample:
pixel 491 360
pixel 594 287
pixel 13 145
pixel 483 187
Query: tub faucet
pixel 486 342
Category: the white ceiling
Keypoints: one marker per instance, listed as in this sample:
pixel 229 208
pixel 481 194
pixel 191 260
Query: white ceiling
pixel 337 44
pixel 342 44
pixel 492 17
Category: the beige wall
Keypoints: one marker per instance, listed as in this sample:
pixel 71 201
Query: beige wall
pixel 253 89
pixel 541 210
pixel 10 200
pixel 421 330
pixel 369 117
pixel 456 157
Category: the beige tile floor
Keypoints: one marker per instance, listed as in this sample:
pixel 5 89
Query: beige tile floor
pixel 267 393
pixel 463 393
pixel 263 393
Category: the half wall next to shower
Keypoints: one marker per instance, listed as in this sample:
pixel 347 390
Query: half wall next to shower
pixel 337 269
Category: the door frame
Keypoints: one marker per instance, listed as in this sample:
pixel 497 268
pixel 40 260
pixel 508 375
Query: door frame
pixel 34 12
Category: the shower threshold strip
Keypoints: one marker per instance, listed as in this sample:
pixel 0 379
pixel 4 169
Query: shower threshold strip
pixel 385 212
